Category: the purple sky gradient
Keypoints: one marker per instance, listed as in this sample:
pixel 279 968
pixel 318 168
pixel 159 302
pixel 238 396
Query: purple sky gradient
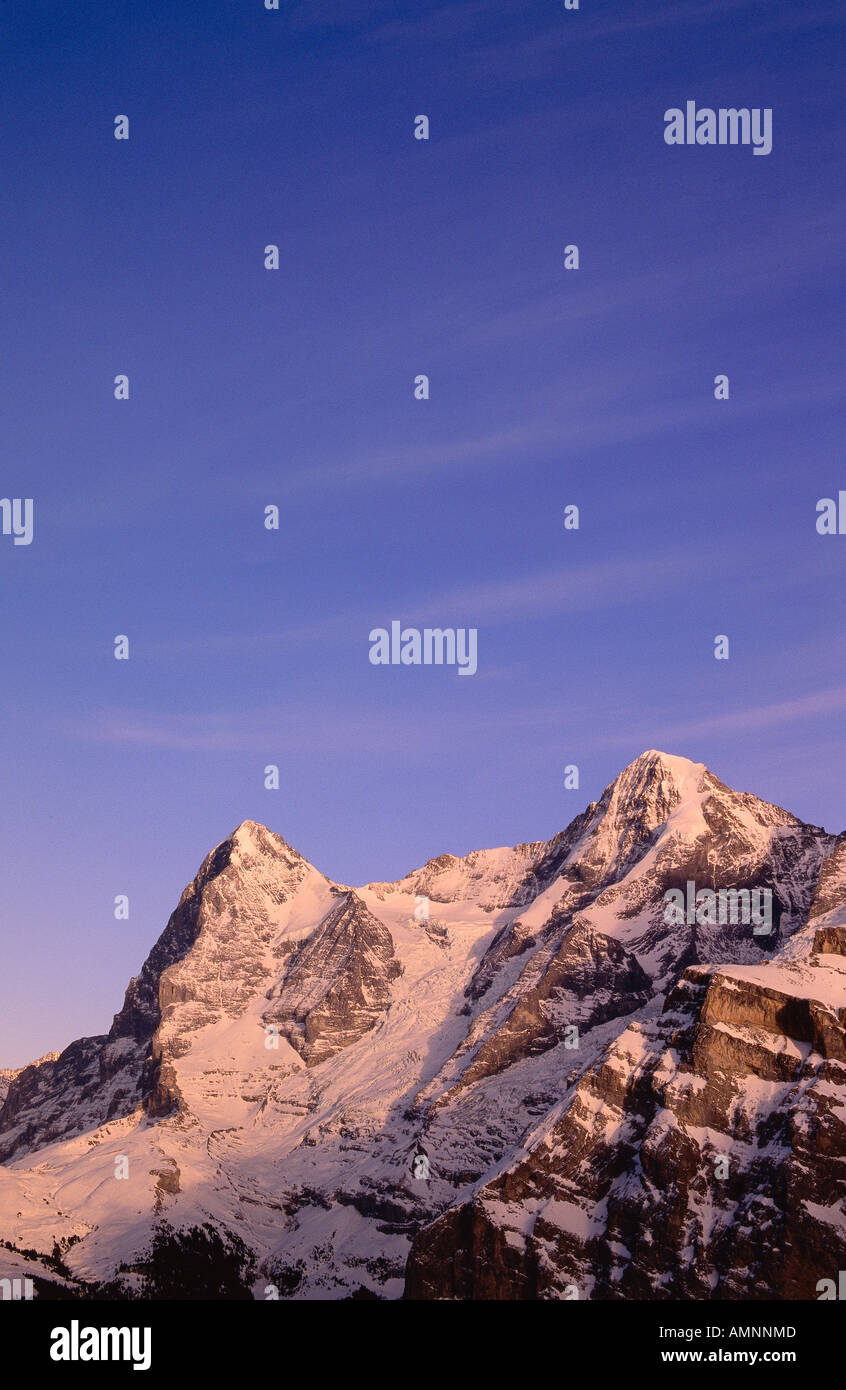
pixel 294 387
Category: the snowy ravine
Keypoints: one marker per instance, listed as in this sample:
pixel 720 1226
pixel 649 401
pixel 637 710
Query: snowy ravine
pixel 610 1106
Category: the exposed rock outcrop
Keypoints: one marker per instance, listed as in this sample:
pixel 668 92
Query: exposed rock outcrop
pixel 700 1157
pixel 337 986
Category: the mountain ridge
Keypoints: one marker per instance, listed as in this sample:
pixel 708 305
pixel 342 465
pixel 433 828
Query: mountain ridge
pixel 289 1041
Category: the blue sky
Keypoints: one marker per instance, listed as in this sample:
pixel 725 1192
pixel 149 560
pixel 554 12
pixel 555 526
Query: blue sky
pixel 251 387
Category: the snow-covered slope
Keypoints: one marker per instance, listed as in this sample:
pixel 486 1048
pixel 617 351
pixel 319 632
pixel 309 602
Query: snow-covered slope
pixel 527 1015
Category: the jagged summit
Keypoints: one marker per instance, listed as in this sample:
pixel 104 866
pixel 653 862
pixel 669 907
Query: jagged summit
pixel 653 782
pixel 655 791
pixel 640 799
pixel 253 837
pixel 653 764
pixel 250 830
pixel 675 762
pixel 653 785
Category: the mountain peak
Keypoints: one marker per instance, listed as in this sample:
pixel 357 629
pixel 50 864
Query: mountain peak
pixel 667 766
pixel 251 837
pixel 657 777
pixel 250 831
pixel 641 799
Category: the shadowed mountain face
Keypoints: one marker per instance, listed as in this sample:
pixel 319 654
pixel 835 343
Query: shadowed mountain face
pixel 614 1101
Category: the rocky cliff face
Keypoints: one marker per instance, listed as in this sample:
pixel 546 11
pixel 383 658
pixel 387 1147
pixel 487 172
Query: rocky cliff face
pixel 337 986
pixel 701 1157
pixel 10 1074
pixel 613 1103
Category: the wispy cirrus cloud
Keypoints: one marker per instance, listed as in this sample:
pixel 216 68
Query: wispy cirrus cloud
pixel 276 730
pixel 304 729
pixel 538 595
pixel 612 583
pixel 616 423
pixel 757 270
pixel 799 709
pixel 536 56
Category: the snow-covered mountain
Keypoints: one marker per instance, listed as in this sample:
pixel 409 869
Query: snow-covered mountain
pixel 610 1103
pixel 9 1074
